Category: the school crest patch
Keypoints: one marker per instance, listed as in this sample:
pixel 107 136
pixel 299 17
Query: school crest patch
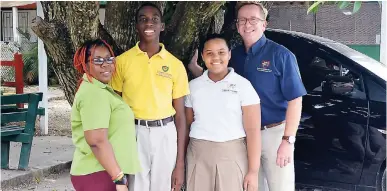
pixel 230 88
pixel 264 67
pixel 164 72
pixel 165 68
pixel 265 64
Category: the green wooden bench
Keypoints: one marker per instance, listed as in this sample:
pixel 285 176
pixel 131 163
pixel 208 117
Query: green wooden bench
pixel 18 133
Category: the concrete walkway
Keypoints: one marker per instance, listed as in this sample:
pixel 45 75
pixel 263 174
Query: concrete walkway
pixel 49 154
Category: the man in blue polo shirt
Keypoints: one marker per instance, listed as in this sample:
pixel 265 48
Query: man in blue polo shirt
pixel 273 71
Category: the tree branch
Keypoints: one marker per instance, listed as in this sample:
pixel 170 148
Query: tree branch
pixel 48 32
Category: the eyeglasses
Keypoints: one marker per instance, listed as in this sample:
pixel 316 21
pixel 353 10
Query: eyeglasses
pixel 252 21
pixel 100 61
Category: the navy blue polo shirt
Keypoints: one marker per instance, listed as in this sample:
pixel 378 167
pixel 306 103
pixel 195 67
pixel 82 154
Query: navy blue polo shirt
pixel 273 71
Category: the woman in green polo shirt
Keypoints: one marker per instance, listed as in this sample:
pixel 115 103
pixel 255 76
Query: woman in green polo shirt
pixel 102 125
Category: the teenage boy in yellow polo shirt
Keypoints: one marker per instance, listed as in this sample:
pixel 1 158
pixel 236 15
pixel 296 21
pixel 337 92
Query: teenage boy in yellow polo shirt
pixel 153 83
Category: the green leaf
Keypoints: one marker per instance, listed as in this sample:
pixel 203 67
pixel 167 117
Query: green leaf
pixel 315 10
pixel 343 4
pixel 356 6
pixel 314 7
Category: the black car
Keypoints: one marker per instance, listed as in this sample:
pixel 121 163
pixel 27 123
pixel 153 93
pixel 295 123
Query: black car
pixel 341 140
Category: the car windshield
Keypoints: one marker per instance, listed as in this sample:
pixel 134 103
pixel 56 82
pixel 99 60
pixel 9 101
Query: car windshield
pixel 368 63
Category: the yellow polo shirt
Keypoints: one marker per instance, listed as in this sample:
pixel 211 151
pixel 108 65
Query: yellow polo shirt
pixel 149 85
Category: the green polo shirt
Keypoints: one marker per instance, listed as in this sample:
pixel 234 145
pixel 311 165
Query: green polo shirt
pixel 97 106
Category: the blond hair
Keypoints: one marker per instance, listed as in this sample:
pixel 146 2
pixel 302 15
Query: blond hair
pixel 240 4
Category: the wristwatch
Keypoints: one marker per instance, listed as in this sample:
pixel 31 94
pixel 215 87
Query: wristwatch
pixel 122 181
pixel 289 139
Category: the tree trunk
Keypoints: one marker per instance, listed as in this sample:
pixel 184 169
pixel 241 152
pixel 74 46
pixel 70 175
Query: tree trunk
pixel 68 24
pixel 182 32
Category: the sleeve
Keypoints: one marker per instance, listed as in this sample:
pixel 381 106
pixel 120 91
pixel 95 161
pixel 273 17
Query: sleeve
pixel 95 110
pixel 180 82
pixel 188 101
pixel 248 95
pixel 118 77
pixel 291 83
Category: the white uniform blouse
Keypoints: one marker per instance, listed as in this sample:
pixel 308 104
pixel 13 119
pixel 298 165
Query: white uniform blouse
pixel 218 105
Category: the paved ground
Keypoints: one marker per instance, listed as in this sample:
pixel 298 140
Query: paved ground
pixel 49 154
pixel 53 182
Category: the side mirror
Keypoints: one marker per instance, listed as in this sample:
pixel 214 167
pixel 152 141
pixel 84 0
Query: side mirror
pixel 338 85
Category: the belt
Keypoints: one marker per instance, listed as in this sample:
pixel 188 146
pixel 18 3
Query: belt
pixel 271 125
pixel 154 123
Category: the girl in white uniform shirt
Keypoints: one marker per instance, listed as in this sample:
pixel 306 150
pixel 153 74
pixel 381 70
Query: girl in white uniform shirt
pixel 224 117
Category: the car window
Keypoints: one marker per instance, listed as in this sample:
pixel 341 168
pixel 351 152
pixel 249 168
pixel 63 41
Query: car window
pixel 375 91
pixel 322 69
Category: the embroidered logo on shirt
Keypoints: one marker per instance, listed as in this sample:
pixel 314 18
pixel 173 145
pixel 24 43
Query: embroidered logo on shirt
pixel 230 88
pixel 265 66
pixel 164 73
pixel 165 68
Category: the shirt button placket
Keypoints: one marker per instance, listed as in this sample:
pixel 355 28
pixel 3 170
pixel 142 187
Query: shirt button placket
pixel 246 63
pixel 147 57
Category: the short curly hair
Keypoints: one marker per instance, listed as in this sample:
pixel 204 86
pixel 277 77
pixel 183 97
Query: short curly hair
pixel 240 4
pixel 148 4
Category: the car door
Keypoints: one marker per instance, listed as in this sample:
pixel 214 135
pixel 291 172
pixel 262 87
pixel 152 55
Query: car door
pixel 375 152
pixel 330 144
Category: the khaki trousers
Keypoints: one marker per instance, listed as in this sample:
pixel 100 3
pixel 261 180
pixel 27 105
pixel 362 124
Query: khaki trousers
pixel 157 149
pixel 272 177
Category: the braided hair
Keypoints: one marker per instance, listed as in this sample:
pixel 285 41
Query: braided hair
pixel 83 55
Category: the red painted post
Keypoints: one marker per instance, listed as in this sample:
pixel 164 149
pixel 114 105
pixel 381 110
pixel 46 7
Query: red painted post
pixel 19 82
pixel 18 65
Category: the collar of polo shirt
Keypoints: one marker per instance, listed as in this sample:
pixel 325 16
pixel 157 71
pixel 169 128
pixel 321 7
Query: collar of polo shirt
pixel 162 52
pixel 94 81
pixel 228 77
